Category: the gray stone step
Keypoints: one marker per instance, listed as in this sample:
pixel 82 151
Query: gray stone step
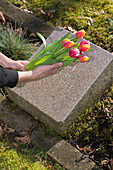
pixel 60 99
pixel 71 158
pixel 24 19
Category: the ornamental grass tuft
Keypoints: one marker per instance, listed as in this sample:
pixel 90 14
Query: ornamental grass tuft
pixel 14 44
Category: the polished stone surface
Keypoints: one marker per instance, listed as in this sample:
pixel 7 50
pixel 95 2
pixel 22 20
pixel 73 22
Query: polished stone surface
pixel 59 99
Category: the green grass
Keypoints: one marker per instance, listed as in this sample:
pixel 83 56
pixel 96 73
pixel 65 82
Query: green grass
pixel 21 156
pixel 11 159
pixel 14 44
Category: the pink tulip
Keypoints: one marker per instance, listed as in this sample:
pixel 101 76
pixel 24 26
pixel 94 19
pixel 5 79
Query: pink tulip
pixel 74 53
pixel 80 34
pixel 83 59
pixel 85 42
pixel 84 48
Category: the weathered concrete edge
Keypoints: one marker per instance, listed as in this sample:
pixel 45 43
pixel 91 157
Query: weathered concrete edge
pixel 102 83
pixel 38 114
pixel 32 23
pixel 70 157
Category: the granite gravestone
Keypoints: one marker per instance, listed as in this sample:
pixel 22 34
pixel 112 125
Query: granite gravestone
pixel 58 100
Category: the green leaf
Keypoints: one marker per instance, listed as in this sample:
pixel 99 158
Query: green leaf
pixel 43 61
pixel 66 58
pixel 50 61
pixel 51 45
pixel 42 38
pixel 44 58
pixel 33 63
pixel 46 54
pixel 75 39
pixel 62 53
pixel 68 62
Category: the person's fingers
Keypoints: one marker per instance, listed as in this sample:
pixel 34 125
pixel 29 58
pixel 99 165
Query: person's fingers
pixel 22 67
pixel 56 65
pixel 50 72
pixel 20 64
pixel 46 68
pixel 23 62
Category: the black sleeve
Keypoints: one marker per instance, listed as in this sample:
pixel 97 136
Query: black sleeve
pixel 8 77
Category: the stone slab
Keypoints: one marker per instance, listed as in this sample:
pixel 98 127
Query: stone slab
pixel 24 19
pixel 44 138
pixel 70 157
pixel 14 116
pixel 60 99
pixel 20 120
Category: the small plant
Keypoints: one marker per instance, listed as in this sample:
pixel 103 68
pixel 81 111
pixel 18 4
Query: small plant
pixel 14 44
pixel 2 92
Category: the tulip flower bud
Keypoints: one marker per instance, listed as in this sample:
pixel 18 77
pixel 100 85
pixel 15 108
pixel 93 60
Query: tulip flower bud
pixel 68 44
pixel 84 48
pixel 74 53
pixel 80 34
pixel 85 42
pixel 83 59
pixel 65 40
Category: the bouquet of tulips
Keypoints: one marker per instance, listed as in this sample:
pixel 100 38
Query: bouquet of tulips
pixel 63 50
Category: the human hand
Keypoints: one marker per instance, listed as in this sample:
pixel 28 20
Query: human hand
pixel 39 72
pixel 17 64
pixel 11 64
pixel 45 70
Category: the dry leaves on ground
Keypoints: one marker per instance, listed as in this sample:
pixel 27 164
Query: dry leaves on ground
pixel 23 140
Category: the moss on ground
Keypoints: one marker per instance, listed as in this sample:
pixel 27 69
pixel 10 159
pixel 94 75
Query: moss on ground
pixel 96 17
pixel 11 159
pixel 17 152
pixel 92 132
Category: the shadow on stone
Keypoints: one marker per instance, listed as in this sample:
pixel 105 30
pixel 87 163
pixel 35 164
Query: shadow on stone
pixel 20 120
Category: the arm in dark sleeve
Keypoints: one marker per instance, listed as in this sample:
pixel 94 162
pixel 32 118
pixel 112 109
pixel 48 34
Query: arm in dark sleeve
pixel 8 77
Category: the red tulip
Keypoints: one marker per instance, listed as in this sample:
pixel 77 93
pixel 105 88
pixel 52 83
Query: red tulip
pixel 65 40
pixel 84 48
pixel 68 44
pixel 74 53
pixel 85 42
pixel 83 59
pixel 80 34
